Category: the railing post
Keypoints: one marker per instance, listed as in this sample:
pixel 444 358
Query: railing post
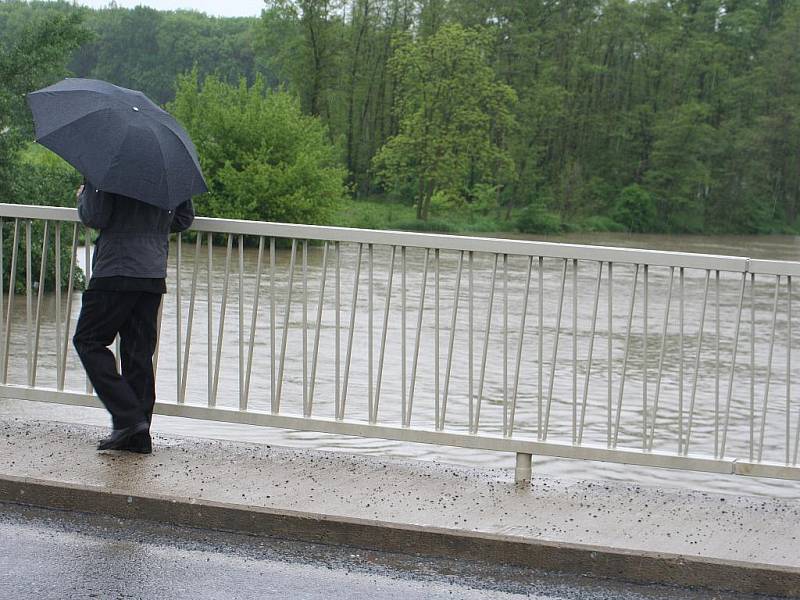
pixel 522 470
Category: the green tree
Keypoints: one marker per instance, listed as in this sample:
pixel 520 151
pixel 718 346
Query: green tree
pixel 42 178
pixel 453 117
pixel 635 210
pixel 680 166
pixel 30 60
pixel 693 100
pixel 262 158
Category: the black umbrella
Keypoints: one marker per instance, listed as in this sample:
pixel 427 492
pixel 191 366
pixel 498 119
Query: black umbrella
pixel 119 140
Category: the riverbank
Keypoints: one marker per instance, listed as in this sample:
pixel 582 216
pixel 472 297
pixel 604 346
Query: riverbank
pixel 619 531
pixel 385 214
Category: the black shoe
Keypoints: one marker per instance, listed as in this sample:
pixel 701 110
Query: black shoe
pixel 119 438
pixel 141 443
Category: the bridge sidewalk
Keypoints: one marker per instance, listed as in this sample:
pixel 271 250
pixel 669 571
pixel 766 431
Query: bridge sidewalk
pixel 747 544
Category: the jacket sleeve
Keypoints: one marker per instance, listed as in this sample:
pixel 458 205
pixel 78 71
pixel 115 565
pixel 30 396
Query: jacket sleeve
pixel 182 217
pixel 94 208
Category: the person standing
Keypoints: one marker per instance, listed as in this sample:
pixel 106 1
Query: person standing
pixel 123 296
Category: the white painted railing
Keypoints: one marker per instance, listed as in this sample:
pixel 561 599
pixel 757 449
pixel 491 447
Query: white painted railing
pixel 636 356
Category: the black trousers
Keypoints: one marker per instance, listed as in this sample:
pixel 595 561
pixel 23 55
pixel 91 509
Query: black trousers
pixel 129 396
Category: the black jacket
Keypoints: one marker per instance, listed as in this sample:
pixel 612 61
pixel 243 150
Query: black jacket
pixel 134 236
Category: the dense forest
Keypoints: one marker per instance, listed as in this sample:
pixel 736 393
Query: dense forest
pixel 645 115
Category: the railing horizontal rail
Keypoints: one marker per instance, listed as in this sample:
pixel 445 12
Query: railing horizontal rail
pixel 430 240
pixel 403 434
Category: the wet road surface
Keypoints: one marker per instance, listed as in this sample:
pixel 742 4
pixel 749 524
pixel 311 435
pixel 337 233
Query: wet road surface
pixel 54 554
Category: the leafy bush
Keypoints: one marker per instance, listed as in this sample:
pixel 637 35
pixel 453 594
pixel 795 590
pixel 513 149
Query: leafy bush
pixel 262 158
pixel 635 210
pixel 537 219
pixel 596 196
pixel 367 214
pixel 40 177
pixel 600 223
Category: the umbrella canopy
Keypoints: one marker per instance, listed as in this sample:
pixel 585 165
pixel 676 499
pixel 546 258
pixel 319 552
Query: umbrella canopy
pixel 119 140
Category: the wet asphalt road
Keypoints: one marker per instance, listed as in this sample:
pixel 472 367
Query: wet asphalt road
pixel 53 554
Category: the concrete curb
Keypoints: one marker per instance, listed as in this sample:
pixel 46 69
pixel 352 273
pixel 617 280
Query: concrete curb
pixel 597 561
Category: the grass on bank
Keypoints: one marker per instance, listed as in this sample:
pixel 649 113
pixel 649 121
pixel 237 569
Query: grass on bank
pixel 382 214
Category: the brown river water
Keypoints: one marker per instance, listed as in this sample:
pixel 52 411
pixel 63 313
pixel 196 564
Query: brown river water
pixel 669 423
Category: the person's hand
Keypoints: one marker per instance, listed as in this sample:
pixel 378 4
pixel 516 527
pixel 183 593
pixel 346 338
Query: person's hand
pixel 79 191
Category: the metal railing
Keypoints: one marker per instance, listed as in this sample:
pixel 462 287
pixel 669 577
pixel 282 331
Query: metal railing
pixel 654 358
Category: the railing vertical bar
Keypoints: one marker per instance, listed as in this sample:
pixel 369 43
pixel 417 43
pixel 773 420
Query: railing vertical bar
pixel 664 328
pixel 28 302
pixel 470 336
pixel 190 318
pixel 585 399
pixel 697 363
pixel 318 327
pixel 796 441
pixel 540 352
pixel 337 336
pixel 12 282
pixel 505 344
pixel 178 313
pixel 285 335
pixel 788 376
pixel 645 360
pixel 769 368
pixel 386 308
pixel 610 361
pixel 403 396
pixel 57 289
pixel 305 328
pixel 752 447
pixel 418 335
pixel 788 366
pixel 210 320
pixel 733 368
pixel 555 351
pixel 716 381
pixel 68 315
pixel 436 383
pixel 508 429
pixel 625 356
pixel 485 352
pixel 370 295
pixel 253 321
pixel 40 293
pixel 242 376
pixel 451 341
pixel 680 357
pixel 273 406
pixel 574 351
pixel 222 313
pixel 351 331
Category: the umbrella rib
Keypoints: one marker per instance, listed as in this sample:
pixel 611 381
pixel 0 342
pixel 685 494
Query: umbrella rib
pixel 191 156
pixel 161 152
